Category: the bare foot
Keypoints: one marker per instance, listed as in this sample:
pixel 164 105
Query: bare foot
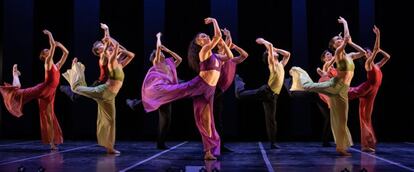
pixel 53 147
pixel 112 151
pixel 209 156
pixel 368 149
pixel 343 152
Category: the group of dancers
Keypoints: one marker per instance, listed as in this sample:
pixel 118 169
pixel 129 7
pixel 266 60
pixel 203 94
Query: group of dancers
pixel 216 64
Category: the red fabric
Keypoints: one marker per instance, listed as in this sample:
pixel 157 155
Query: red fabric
pixel 366 92
pixel 103 72
pixel 14 99
pixel 331 73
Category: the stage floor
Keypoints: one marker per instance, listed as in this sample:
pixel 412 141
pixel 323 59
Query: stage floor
pixel 187 157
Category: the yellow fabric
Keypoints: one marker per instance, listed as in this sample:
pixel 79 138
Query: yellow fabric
pixel 105 128
pixel 276 78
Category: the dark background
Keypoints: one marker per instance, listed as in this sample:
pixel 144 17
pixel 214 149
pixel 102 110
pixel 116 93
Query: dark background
pixel 303 27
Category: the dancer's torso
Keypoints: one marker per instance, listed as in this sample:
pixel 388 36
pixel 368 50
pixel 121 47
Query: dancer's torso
pixel 374 76
pixel 115 79
pixel 210 70
pixel 345 68
pixel 276 78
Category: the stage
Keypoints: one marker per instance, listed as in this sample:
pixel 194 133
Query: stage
pixel 187 156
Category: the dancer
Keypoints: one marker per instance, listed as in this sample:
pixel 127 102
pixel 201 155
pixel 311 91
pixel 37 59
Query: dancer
pixel 268 93
pixel 201 88
pixel 367 91
pixel 162 71
pixel 103 94
pixel 228 70
pixel 336 88
pixel 97 49
pixel 14 97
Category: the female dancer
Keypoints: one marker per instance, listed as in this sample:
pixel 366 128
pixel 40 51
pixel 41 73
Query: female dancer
pixel 103 94
pixel 367 91
pixel 201 88
pixel 97 49
pixel 336 88
pixel 268 93
pixel 162 71
pixel 14 97
pixel 228 70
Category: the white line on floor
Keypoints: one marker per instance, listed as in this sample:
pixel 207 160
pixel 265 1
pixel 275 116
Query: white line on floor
pixel 266 160
pixel 152 157
pixel 383 159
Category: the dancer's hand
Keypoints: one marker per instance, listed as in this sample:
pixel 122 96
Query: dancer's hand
pixel 209 20
pixel 104 26
pixel 47 32
pixel 341 20
pixel 159 35
pixel 260 41
pixel 226 32
pixel 376 30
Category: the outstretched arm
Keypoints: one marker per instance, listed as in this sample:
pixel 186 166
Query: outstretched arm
pixel 49 58
pixel 177 58
pixel 370 59
pixel 384 59
pixel 229 40
pixel 270 59
pixel 157 57
pixel 108 36
pixel 217 36
pixel 243 54
pixel 285 54
pixel 62 60
pixel 340 50
pixel 227 51
pixel 355 55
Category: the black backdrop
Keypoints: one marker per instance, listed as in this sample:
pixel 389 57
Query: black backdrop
pixel 303 27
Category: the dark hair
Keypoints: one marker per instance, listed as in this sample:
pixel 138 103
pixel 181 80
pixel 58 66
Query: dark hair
pixel 95 49
pixel 264 57
pixel 192 55
pixel 331 44
pixel 323 55
pixel 42 53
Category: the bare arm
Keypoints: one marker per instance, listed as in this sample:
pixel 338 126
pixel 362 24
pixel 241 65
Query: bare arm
pixel 285 54
pixel 243 54
pixel 229 40
pixel 340 50
pixel 112 61
pixel 384 59
pixel 217 36
pixel 177 58
pixel 270 59
pixel 108 36
pixel 52 43
pixel 228 54
pixel 157 58
pixel 128 56
pixel 62 60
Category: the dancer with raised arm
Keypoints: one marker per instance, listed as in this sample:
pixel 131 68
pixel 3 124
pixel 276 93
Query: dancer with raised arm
pixel 269 92
pixel 228 71
pixel 336 88
pixel 201 88
pixel 163 71
pixel 14 97
pixel 367 91
pixel 103 94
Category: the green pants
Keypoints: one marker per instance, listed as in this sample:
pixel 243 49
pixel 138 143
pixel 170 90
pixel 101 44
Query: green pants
pixel 338 99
